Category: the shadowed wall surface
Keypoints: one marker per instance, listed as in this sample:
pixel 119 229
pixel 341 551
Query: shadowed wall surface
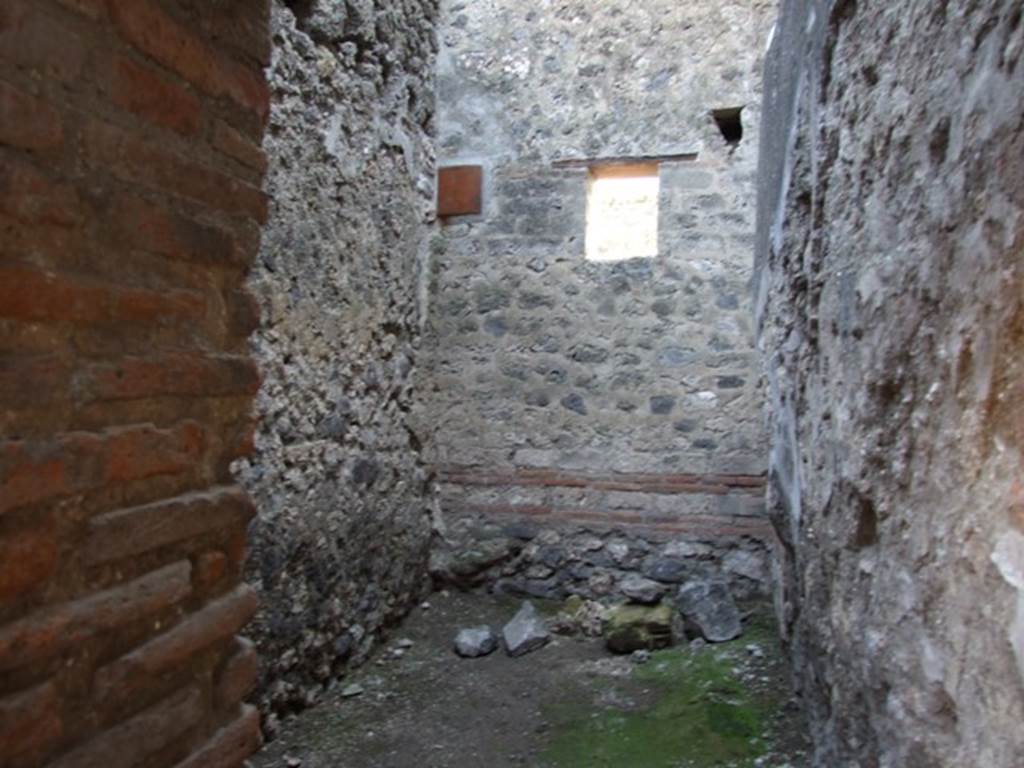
pixel 890 289
pixel 340 543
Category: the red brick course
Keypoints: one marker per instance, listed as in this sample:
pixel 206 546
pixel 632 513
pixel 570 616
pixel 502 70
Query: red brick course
pixel 612 481
pixel 154 167
pixel 144 91
pixel 171 374
pixel 168 652
pixel 28 122
pixel 233 144
pixel 211 568
pixel 28 558
pixel 30 724
pixel 29 195
pixel 703 526
pixel 139 223
pixel 48 373
pixel 77 462
pixel 238 677
pixel 151 31
pixel 130 208
pixel 35 295
pixel 129 532
pixel 230 745
pixel 94 9
pixel 32 39
pixel 148 733
pixel 44 634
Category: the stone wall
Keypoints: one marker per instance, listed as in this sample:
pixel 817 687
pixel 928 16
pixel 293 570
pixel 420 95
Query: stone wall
pixel 891 312
pixel 130 205
pixel 540 361
pixel 340 543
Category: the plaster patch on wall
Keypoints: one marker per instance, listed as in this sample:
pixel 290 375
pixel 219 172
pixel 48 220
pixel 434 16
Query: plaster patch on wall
pixel 1009 559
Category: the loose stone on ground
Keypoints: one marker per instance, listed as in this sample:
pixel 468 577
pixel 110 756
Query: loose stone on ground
pixel 526 632
pixel 476 641
pixel 709 610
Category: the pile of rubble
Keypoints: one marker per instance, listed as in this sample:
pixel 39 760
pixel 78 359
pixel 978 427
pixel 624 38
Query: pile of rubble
pixel 701 610
pixel 521 560
pixel 524 633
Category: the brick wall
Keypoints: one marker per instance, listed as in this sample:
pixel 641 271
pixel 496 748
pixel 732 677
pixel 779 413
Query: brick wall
pixel 130 207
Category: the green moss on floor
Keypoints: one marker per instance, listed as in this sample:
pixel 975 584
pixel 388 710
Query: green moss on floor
pixel 700 715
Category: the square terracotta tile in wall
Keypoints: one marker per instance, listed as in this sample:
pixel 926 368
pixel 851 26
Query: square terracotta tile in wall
pixel 460 190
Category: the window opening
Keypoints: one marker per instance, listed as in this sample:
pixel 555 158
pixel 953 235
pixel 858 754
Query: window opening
pixel 622 211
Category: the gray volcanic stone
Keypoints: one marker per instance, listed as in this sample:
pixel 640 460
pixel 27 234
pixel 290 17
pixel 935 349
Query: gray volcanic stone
pixel 662 404
pixel 667 569
pixel 467 566
pixel 576 403
pixel 641 590
pixel 709 610
pixel 473 642
pixel 526 632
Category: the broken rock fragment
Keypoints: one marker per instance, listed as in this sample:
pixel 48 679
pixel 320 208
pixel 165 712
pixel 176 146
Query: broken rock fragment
pixel 579 616
pixel 468 566
pixel 526 632
pixel 473 642
pixel 709 610
pixel 641 590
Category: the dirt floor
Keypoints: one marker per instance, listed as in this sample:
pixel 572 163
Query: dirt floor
pixel 571 704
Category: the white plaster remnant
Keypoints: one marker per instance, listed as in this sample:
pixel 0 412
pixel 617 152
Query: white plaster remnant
pixel 1009 559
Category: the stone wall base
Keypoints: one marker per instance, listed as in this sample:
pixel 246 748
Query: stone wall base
pixel 551 533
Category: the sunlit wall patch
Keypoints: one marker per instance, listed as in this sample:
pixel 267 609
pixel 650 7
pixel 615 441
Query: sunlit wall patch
pixel 622 211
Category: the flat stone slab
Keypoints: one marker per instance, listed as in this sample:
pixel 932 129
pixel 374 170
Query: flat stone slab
pixel 526 632
pixel 473 642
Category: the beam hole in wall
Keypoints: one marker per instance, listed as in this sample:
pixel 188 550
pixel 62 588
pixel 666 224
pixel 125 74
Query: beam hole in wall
pixel 730 124
pixel 622 211
pixel 302 9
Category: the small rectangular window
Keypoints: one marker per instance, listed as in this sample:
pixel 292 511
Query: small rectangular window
pixel 622 211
